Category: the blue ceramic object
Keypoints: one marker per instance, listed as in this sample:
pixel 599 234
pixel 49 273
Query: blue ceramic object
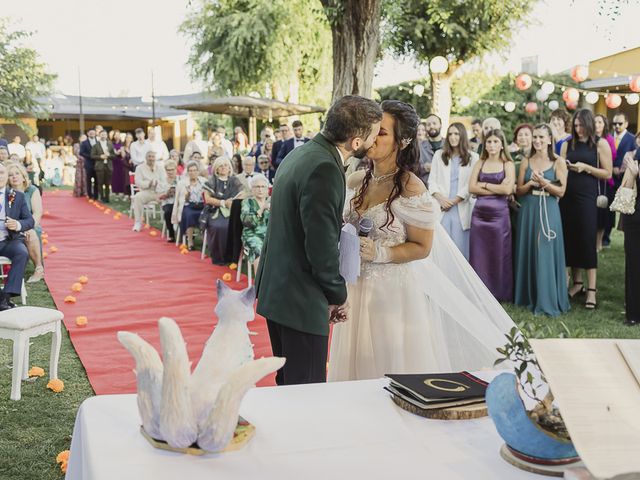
pixel 509 415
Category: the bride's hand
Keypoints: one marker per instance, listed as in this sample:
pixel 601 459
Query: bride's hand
pixel 367 249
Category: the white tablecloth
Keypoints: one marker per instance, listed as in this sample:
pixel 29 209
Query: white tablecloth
pixel 349 430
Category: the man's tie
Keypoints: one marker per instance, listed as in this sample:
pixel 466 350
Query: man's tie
pixel 617 141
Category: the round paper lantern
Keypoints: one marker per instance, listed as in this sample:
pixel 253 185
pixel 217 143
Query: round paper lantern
pixel 553 105
pixel 634 84
pixel 571 105
pixel 591 98
pixel 613 100
pixel 571 95
pixel 541 96
pixel 579 73
pixel 633 98
pixel 465 102
pixel 523 82
pixel 418 90
pixel 438 64
pixel 548 88
pixel 531 107
pixel 509 107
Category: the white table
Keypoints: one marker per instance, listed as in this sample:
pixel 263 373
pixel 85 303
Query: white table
pixel 349 430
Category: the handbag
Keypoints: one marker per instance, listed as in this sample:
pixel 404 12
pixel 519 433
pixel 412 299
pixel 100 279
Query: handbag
pixel 602 201
pixel 625 199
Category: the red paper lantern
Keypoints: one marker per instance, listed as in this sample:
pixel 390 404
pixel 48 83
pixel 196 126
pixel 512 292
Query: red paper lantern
pixel 579 73
pixel 523 81
pixel 571 95
pixel 531 107
pixel 613 100
pixel 634 84
pixel 571 105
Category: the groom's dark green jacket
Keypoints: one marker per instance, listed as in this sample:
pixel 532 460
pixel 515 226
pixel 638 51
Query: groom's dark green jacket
pixel 299 277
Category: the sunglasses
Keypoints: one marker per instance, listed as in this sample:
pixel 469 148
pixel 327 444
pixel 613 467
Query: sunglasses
pixel 618 123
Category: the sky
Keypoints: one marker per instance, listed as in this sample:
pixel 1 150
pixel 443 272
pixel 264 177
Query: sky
pixel 115 45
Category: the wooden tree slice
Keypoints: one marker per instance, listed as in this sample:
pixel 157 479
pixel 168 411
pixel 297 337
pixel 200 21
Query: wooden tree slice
pixel 465 412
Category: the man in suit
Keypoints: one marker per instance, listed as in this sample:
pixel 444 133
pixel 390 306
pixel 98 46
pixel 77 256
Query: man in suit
pixel 85 153
pixel 14 219
pixel 285 132
pixel 102 154
pixel 625 142
pixel 300 290
pixel 294 142
pixel 265 169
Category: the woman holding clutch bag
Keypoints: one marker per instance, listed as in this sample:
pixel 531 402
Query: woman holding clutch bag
pixel 631 227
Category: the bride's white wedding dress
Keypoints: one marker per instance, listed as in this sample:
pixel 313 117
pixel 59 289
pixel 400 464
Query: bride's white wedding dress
pixel 426 316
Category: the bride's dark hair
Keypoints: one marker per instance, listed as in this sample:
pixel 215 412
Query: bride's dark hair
pixel 405 128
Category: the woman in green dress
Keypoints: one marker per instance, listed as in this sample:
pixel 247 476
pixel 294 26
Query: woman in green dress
pixel 541 282
pixel 255 217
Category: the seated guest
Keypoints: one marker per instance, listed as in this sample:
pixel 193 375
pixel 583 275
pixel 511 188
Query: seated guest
pixel 265 168
pixel 174 156
pixel 236 164
pixel 254 217
pixel 168 196
pixel 150 179
pixel 14 219
pixel 202 163
pixel 248 171
pixel 220 191
pixel 189 202
pixel 4 154
pixel 19 181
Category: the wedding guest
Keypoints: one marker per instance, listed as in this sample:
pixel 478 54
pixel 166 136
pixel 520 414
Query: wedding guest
pixel 120 175
pixel 266 132
pixel 240 140
pixel 285 134
pixel 290 144
pixel 19 180
pixel 227 146
pixel 560 121
pixel 36 150
pixel 202 161
pixel 189 202
pixel 255 217
pixel 631 227
pixel 102 154
pixel 248 170
pixel 4 155
pixel 588 160
pixel 521 146
pixel 476 140
pixel 215 147
pixel 150 179
pixel 490 249
pixel 219 192
pixel 421 132
pixel 433 143
pixel 197 144
pixel 236 163
pixel 488 124
pixel 174 156
pixel 159 146
pixel 605 187
pixel 265 168
pixel 89 168
pixel 167 196
pixel 16 148
pixel 138 149
pixel 80 184
pixel 541 283
pixel 267 149
pixel 449 184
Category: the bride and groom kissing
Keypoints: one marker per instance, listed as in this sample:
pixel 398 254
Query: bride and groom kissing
pixel 417 305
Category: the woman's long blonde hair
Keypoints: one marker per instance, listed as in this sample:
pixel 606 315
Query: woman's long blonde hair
pixel 25 176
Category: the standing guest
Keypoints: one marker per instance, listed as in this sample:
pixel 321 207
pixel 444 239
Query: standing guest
pixel 476 140
pixel 68 167
pixel 421 132
pixel 150 179
pixel 541 281
pixel 267 132
pixel 240 140
pixel 449 184
pixel 267 149
pixel 14 218
pixel 292 143
pixel 432 144
pixel 189 202
pixel 219 192
pixel 521 146
pixel 120 175
pixel 4 154
pixel 227 146
pixel 631 155
pixel 490 249
pixel 138 149
pixel 215 147
pixel 285 133
pixel 236 163
pixel 604 186
pixel 248 171
pixel 560 122
pixel 174 156
pixel 37 150
pixel 265 168
pixel 197 144
pixel 168 196
pixel 80 184
pixel 631 226
pixel 255 217
pixel 3 142
pixel 102 154
pixel 589 160
pixel 98 129
pixel 16 148
pixel 488 124
pixel 19 181
pixel 89 167
pixel 159 146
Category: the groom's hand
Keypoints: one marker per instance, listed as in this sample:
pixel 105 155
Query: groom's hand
pixel 338 313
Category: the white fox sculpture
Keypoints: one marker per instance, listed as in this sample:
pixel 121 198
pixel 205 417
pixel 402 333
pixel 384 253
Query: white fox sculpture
pixel 182 408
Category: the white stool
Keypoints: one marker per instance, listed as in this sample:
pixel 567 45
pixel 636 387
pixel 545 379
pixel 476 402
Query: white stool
pixel 23 323
pixel 23 290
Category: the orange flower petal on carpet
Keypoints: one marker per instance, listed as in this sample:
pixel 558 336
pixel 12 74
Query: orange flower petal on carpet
pixel 56 385
pixel 81 321
pixel 63 467
pixel 44 241
pixel 226 277
pixel 83 279
pixel 233 266
pixel 45 254
pixel 76 287
pixel 153 233
pixel 53 249
pixel 36 372
pixel 69 299
pixel 147 226
pixel 63 456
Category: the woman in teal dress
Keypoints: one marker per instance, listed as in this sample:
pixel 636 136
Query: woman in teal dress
pixel 541 280
pixel 255 217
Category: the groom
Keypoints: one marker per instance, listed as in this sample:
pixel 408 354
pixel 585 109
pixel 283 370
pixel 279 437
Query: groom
pixel 300 289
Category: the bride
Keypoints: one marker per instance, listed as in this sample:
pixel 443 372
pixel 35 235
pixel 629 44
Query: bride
pixel 417 306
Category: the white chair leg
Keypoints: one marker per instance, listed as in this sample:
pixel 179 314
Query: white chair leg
pixel 23 293
pixel 239 270
pixel 249 271
pixel 204 245
pixel 18 366
pixel 25 360
pixel 177 235
pixel 164 230
pixel 56 342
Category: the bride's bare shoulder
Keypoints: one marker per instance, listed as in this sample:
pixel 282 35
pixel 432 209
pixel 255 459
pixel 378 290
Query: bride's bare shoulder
pixel 412 186
pixel 355 179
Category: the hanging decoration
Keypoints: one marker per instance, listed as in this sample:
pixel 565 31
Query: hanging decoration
pixel 509 107
pixel 554 105
pixel 613 100
pixel 579 73
pixel 632 98
pixel 541 95
pixel 571 105
pixel 523 82
pixel 531 107
pixel 591 98
pixel 548 87
pixel 418 89
pixel 634 84
pixel 465 102
pixel 571 95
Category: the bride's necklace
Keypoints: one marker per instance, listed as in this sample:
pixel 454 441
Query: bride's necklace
pixel 382 178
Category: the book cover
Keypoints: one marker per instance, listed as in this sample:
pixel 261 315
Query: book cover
pixel 439 387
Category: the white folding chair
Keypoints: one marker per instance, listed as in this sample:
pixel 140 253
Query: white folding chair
pixel 148 208
pixel 23 290
pixel 249 267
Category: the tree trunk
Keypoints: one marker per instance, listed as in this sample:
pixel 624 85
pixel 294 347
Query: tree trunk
pixel 355 29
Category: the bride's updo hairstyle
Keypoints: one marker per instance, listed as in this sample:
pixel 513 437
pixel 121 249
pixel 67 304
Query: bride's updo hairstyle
pixel 405 129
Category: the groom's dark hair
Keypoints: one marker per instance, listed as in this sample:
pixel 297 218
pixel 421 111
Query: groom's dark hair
pixel 349 117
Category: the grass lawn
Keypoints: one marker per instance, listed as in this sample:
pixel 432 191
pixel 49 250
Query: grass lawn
pixel 35 429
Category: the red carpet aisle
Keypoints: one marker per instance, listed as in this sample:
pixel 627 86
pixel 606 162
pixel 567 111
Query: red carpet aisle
pixel 134 279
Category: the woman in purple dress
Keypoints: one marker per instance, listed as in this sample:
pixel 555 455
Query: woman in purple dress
pixel 120 167
pixel 490 247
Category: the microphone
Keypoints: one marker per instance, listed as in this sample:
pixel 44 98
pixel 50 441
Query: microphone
pixel 364 227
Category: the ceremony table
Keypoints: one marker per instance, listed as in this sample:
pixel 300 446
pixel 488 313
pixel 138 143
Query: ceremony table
pixel 347 430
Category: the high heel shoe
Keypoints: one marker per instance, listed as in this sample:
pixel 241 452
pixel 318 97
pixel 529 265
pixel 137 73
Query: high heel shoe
pixel 579 292
pixel 591 305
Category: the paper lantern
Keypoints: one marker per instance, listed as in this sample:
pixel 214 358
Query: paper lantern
pixel 76 287
pixel 548 88
pixel 418 90
pixel 541 96
pixel 523 82
pixel 571 95
pixel 571 105
pixel 591 98
pixel 36 372
pixel 633 98
pixel 509 107
pixel 531 107
pixel 553 105
pixel 83 279
pixel 56 385
pixel 634 84
pixel 579 73
pixel 438 64
pixel 613 100
pixel 81 321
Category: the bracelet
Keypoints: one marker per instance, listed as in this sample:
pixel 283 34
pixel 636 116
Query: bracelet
pixel 383 254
